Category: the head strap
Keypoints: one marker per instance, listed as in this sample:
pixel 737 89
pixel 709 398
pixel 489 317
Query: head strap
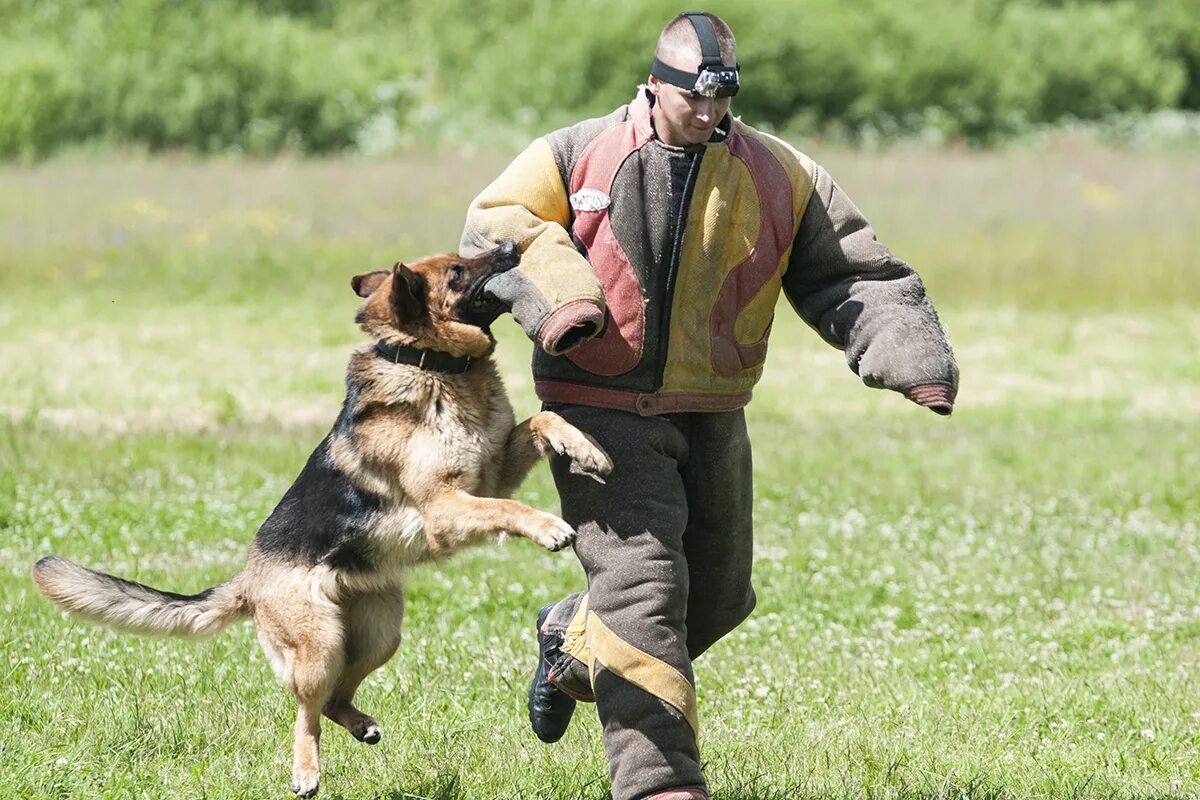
pixel 713 79
pixel 710 49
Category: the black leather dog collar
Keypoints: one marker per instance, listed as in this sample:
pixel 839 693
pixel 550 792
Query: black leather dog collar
pixel 428 360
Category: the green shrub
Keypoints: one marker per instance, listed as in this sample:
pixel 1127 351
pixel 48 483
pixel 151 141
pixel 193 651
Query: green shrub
pixel 1091 61
pixel 223 78
pixel 1174 26
pixel 884 70
pixel 38 93
pixel 316 76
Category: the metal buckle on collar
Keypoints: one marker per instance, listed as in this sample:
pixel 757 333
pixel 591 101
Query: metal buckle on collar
pixel 421 363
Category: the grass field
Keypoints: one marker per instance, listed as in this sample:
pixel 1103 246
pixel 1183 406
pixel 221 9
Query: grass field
pixel 1004 604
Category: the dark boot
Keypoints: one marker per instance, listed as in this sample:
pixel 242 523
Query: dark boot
pixel 550 708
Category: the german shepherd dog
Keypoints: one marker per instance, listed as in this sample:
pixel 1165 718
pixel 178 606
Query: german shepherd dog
pixel 418 464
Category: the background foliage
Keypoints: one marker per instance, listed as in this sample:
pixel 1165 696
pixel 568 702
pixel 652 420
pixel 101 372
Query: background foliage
pixel 316 76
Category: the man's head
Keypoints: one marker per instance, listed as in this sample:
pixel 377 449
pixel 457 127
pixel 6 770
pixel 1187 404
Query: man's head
pixel 684 116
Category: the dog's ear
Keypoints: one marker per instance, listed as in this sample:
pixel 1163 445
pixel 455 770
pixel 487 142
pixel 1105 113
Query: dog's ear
pixel 368 282
pixel 408 292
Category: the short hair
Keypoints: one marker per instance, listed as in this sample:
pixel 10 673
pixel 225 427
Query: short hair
pixel 679 40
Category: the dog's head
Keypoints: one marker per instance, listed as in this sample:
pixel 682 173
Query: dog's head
pixel 435 303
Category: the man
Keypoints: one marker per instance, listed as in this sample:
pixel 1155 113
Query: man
pixel 685 224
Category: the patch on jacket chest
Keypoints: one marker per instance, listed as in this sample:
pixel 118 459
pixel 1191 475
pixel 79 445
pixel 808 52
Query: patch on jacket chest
pixel 590 200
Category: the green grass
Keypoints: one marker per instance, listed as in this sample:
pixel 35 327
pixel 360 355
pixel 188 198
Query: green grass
pixel 1000 605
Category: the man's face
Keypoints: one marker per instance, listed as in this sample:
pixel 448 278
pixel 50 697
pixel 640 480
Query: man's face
pixel 681 119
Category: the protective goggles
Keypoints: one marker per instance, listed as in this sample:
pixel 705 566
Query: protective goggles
pixel 713 79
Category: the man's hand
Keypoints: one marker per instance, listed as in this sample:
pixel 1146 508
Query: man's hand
pixel 937 397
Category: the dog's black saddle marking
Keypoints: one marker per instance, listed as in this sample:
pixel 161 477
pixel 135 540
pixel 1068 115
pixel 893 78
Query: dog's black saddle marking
pixel 323 519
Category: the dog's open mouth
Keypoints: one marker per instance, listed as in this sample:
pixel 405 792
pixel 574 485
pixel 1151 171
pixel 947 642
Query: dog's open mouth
pixel 477 306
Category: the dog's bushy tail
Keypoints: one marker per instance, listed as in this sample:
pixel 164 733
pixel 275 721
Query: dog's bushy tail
pixel 134 607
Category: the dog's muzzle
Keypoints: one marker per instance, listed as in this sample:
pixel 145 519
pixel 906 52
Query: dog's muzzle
pixel 478 306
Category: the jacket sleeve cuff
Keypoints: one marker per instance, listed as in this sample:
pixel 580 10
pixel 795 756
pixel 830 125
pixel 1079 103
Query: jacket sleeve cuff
pixel 937 397
pixel 570 325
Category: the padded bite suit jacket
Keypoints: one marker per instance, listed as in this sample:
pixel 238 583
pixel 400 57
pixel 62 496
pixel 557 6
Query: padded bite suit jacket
pixel 688 249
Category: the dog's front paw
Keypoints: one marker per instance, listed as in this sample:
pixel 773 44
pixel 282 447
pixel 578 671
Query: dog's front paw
pixel 588 458
pixel 586 454
pixel 549 531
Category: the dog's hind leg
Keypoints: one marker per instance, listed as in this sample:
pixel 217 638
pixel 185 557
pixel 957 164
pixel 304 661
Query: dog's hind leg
pixel 302 634
pixel 371 638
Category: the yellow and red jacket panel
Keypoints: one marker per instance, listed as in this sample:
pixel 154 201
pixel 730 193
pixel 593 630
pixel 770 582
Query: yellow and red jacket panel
pixel 688 250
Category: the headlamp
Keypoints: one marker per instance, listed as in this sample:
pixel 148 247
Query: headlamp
pixel 717 83
pixel 713 78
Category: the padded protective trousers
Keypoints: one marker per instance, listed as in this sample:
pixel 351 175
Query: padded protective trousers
pixel 667 545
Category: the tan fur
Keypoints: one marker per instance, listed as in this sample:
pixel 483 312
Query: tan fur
pixel 441 452
pixel 97 597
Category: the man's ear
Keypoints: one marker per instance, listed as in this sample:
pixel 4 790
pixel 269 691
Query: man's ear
pixel 408 292
pixel 368 282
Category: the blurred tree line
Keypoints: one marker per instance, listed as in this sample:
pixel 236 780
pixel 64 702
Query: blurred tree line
pixel 317 76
